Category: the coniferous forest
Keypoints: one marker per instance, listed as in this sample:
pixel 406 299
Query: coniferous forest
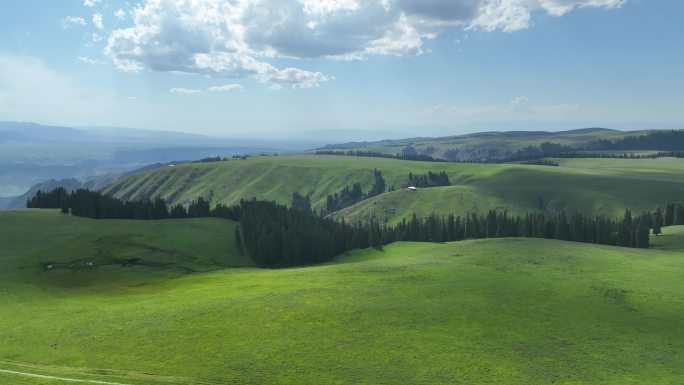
pixel 276 235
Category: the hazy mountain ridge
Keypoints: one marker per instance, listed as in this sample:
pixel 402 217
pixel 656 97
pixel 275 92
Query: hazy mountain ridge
pixel 32 153
pixel 489 145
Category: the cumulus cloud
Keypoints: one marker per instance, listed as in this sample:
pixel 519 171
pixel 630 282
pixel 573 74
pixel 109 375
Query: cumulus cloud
pixel 72 21
pixel 90 3
pixel 184 91
pixel 233 39
pixel 120 14
pixel 226 88
pixel 97 21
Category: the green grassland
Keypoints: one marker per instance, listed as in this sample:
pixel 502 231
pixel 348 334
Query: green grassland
pixel 590 186
pixel 498 311
pixel 44 247
pixel 504 141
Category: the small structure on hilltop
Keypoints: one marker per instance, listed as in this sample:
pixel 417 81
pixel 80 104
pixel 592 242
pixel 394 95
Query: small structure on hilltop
pixel 412 188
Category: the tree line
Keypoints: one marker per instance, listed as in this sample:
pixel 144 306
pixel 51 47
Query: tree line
pixel 376 154
pixel 277 235
pixel 628 231
pixel 95 205
pixel 431 179
pixel 534 154
pixel 350 196
pixel 662 140
pixel 541 162
pixel 668 143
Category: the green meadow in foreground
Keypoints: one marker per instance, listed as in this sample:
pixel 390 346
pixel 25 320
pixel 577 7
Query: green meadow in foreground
pixel 512 311
pixel 590 186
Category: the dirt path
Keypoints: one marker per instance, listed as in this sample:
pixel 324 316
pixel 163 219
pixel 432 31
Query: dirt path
pixel 60 378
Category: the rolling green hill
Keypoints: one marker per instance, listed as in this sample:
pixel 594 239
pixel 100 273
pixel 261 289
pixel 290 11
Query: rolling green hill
pixel 473 312
pixel 47 249
pixel 590 186
pixel 487 144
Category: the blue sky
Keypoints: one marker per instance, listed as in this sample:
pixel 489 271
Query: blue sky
pixel 276 67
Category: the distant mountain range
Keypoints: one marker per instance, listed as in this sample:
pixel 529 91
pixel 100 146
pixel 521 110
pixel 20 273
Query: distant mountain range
pixel 32 153
pixel 489 146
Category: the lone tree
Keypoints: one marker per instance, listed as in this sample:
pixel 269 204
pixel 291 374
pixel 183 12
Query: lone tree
pixel 657 221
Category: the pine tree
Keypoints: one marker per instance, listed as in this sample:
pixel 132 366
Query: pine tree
pixel 657 221
pixel 669 215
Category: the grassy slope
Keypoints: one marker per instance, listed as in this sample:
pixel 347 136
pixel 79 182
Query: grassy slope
pixel 506 141
pixel 591 186
pixel 588 185
pixel 75 247
pixel 487 311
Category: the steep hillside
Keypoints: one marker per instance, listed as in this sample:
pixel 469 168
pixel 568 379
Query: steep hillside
pixel 591 186
pixel 273 178
pixel 473 312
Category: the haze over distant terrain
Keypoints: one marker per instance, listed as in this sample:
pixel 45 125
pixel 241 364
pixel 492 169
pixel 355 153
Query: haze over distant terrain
pixel 407 68
pixel 31 153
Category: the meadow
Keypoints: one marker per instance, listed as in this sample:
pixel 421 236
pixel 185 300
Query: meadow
pixel 589 186
pixel 501 141
pixel 474 312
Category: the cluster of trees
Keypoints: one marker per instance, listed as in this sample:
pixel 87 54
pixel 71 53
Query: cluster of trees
pixel 374 154
pixel 345 198
pixel 671 144
pixel 431 179
pixel 277 235
pixel 673 215
pixel 628 231
pixel 55 199
pixel 667 140
pixel 536 156
pixel 211 159
pixel 378 184
pixel 301 203
pixel 541 162
pixel 95 205
pixel 349 196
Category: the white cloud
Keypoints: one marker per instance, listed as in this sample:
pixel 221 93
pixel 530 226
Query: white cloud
pixel 90 3
pixel 226 88
pixel 97 21
pixel 325 7
pixel 72 21
pixel 520 107
pixel 120 14
pixel 234 39
pixel 90 61
pixel 184 91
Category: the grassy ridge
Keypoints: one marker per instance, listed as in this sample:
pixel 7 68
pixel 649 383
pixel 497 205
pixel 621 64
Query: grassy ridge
pixel 474 312
pixel 504 141
pixel 590 186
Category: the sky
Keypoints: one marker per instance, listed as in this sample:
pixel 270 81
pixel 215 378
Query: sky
pixel 271 68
